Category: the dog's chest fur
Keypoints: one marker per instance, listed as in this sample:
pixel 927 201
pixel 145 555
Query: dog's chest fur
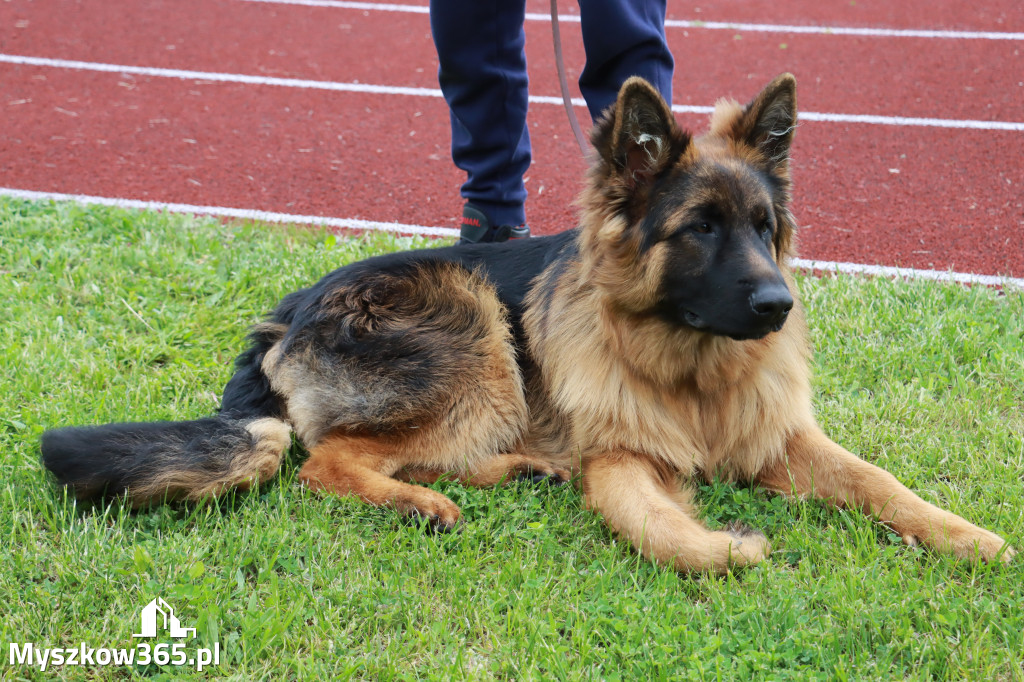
pixel 728 418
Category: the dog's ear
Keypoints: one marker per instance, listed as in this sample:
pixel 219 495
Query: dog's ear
pixel 767 124
pixel 638 137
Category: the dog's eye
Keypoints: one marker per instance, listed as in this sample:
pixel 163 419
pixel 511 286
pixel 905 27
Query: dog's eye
pixel 703 228
pixel 765 228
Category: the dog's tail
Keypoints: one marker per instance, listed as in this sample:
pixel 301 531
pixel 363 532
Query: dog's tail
pixel 153 462
pixel 189 460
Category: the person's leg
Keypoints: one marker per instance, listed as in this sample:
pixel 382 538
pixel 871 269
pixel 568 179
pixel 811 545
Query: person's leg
pixel 623 38
pixel 483 77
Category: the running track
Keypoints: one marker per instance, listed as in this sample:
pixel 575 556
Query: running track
pixel 910 151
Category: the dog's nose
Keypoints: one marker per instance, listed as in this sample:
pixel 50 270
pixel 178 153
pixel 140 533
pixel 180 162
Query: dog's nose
pixel 772 302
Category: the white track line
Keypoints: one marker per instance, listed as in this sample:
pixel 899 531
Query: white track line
pixel 241 213
pixel 682 23
pixel 211 76
pixel 355 224
pixel 907 273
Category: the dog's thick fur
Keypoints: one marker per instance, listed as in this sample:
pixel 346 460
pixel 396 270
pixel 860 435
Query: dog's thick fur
pixel 658 342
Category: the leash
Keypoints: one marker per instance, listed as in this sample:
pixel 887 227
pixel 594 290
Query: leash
pixel 574 122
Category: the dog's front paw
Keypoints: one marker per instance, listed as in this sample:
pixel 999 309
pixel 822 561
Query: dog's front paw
pixel 956 536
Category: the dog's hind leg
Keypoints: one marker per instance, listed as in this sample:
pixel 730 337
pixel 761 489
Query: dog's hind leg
pixel 641 501
pixel 364 467
pixel 500 469
pixel 818 467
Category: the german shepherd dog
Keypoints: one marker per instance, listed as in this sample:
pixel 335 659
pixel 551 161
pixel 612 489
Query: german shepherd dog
pixel 659 341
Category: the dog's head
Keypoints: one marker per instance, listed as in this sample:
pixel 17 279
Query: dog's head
pixel 693 231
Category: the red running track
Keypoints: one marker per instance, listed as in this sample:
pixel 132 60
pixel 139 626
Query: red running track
pixel 908 195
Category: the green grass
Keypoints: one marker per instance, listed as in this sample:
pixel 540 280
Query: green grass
pixel 116 315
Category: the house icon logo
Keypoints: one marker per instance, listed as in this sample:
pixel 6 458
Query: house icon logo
pixel 158 611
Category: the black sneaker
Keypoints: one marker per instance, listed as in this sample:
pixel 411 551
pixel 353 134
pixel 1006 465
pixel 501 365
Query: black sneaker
pixel 477 228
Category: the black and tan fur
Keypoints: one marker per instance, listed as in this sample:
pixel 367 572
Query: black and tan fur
pixel 658 342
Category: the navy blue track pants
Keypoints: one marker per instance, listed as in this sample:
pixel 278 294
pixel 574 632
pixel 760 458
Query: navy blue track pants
pixel 480 45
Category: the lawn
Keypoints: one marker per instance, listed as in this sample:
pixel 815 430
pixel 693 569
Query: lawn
pixel 115 315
